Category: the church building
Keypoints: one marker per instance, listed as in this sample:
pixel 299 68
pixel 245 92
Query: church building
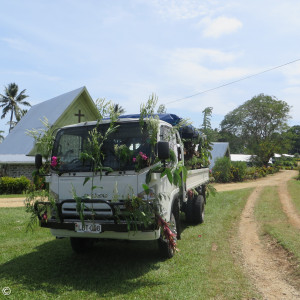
pixel 17 149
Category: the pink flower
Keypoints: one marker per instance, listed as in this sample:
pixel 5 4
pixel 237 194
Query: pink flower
pixel 134 159
pixel 54 161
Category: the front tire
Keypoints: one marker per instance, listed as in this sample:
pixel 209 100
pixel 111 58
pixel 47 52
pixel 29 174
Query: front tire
pixel 165 248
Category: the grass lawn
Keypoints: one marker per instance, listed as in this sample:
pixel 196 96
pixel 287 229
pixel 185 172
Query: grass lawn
pixel 37 266
pixel 294 189
pixel 274 222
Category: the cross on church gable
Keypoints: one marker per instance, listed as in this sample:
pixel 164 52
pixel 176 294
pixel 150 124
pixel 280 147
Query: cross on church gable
pixel 79 115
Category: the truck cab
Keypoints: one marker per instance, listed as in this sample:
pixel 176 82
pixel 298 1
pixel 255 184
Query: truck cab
pixel 95 199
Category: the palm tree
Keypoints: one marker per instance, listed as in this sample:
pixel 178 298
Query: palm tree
pixel 1 136
pixel 10 102
pixel 119 109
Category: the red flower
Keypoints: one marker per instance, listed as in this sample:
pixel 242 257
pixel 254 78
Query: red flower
pixel 44 216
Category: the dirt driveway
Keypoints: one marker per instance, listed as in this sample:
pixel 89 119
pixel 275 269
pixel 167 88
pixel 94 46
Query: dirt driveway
pixel 270 180
pixel 12 202
pixel 266 268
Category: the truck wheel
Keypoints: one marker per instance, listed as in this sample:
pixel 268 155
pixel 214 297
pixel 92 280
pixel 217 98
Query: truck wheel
pixel 194 210
pixel 199 205
pixel 165 248
pixel 189 210
pixel 81 245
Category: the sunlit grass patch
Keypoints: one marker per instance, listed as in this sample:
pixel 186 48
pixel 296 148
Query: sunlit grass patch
pixel 294 190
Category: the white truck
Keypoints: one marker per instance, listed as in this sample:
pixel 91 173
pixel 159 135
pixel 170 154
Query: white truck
pixel 103 194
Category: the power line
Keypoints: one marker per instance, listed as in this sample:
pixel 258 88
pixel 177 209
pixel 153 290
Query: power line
pixel 232 82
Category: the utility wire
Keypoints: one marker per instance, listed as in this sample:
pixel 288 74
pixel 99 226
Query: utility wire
pixel 232 82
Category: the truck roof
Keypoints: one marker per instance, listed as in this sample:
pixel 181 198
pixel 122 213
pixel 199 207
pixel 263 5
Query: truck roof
pixel 121 119
pixel 169 118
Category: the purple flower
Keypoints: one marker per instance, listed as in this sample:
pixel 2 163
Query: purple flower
pixel 54 161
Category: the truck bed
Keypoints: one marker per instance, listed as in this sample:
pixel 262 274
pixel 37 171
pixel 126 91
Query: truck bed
pixel 197 177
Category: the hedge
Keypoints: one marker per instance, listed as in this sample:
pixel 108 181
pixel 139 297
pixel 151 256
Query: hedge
pixel 9 185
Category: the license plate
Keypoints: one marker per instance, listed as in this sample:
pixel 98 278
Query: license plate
pixel 87 227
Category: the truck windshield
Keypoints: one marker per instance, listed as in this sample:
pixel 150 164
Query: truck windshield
pixel 119 150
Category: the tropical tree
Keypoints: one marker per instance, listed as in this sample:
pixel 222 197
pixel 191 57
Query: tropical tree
pixel 118 109
pixel 1 136
pixel 295 139
pixel 161 109
pixel 10 102
pixel 261 124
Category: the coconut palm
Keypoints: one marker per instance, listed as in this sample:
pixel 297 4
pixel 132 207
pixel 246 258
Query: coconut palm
pixel 119 109
pixel 1 136
pixel 10 102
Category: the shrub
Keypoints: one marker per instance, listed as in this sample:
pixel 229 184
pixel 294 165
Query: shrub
pixel 9 185
pixel 286 163
pixel 238 170
pixel 221 170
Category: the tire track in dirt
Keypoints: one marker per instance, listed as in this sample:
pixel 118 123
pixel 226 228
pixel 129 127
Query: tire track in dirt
pixel 268 279
pixel 267 269
pixel 288 206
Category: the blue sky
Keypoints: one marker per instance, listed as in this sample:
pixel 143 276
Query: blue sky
pixel 125 50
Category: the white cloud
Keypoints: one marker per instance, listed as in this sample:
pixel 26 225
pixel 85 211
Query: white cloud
pixel 201 55
pixel 292 74
pixel 19 44
pixel 201 69
pixel 183 9
pixel 220 26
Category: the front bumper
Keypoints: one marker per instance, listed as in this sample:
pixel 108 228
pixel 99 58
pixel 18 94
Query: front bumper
pixel 113 222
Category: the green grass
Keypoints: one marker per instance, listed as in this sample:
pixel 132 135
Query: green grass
pixel 37 266
pixel 294 189
pixel 275 223
pixel 12 196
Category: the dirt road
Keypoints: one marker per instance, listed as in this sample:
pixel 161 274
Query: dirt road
pixel 267 268
pixel 12 202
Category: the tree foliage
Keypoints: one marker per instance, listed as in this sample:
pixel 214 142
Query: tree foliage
pixel 162 109
pixel 261 124
pixel 11 101
pixel 295 139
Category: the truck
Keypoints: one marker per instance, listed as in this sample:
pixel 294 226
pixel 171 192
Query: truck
pixel 137 188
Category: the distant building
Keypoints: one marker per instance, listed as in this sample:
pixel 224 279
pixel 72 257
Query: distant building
pixel 219 149
pixel 17 150
pixel 241 157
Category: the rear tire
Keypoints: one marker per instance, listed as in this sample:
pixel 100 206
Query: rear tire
pixel 189 210
pixel 194 211
pixel 81 245
pixel 199 209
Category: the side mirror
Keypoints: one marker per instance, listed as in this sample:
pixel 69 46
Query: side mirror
pixel 163 150
pixel 38 161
